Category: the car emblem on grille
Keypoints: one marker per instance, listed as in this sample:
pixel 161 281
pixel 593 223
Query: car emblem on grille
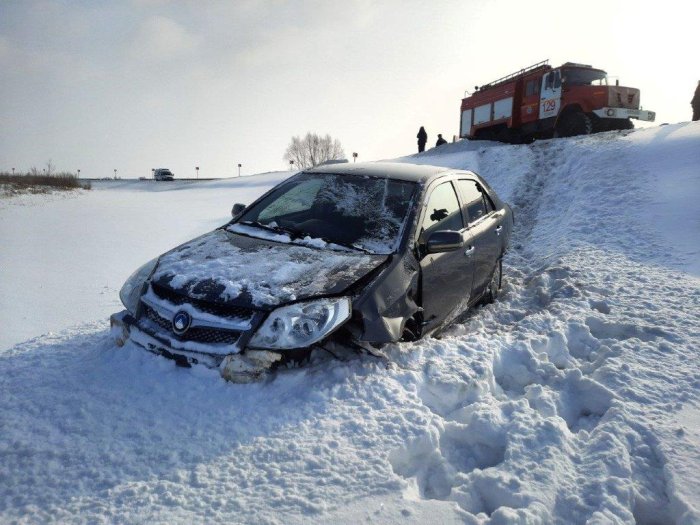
pixel 181 322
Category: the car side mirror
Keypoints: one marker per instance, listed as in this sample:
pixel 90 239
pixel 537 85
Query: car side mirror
pixel 444 241
pixel 237 209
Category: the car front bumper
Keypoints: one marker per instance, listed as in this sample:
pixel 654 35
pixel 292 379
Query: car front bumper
pixel 625 113
pixel 238 367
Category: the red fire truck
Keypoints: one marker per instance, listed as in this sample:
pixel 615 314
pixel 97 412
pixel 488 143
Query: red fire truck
pixel 541 101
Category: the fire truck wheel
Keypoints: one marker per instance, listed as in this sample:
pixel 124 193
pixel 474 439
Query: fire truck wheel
pixel 571 124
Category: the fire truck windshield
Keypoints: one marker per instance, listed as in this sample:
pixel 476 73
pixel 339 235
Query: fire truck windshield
pixel 584 77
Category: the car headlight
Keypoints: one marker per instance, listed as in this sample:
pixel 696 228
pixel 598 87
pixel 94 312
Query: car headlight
pixel 133 287
pixel 302 324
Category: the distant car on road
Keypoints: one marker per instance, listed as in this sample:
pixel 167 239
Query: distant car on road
pixel 339 256
pixel 163 174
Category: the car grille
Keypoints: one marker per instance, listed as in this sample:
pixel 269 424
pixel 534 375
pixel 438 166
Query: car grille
pixel 623 97
pixel 222 311
pixel 154 323
pixel 152 316
pixel 197 334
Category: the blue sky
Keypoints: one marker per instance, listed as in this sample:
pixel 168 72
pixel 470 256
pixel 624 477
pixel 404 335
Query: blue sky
pixel 142 84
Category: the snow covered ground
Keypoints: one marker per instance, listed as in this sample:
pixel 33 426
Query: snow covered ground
pixel 574 399
pixel 78 248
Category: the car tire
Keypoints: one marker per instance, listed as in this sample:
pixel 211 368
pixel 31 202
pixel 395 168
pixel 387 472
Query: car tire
pixel 494 286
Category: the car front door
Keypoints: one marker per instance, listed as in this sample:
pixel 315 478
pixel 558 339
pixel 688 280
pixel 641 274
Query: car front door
pixel 446 278
pixel 484 227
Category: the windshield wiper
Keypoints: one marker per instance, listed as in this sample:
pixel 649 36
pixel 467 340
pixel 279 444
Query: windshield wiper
pixel 276 229
pixel 347 245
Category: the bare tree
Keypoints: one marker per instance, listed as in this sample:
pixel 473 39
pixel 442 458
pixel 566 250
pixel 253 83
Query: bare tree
pixel 50 169
pixel 313 150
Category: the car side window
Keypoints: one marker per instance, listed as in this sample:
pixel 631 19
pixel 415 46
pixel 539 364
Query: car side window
pixel 442 211
pixel 476 210
pixel 476 203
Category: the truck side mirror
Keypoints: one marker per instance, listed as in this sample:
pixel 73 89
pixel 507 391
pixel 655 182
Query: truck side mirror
pixel 237 209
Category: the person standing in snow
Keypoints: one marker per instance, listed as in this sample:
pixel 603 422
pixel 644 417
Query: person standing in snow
pixel 440 141
pixel 422 139
pixel 695 103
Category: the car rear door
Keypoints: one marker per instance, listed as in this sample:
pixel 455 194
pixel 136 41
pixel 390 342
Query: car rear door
pixel 446 278
pixel 485 228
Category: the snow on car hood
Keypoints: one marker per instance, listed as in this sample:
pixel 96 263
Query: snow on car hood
pixel 224 267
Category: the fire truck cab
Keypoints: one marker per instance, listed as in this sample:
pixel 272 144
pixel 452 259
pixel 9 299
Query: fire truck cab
pixel 541 101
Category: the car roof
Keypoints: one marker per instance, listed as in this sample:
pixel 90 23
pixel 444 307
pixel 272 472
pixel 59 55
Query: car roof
pixel 387 170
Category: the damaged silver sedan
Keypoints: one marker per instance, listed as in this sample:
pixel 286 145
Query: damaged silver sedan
pixel 344 255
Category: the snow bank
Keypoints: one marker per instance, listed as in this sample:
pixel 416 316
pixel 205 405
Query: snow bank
pixel 573 399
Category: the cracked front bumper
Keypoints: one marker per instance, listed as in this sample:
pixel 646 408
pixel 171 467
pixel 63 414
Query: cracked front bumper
pixel 241 367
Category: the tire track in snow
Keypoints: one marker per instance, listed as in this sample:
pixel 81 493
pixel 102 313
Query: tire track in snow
pixel 527 196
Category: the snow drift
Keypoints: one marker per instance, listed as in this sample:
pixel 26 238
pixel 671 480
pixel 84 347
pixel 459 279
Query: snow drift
pixel 573 399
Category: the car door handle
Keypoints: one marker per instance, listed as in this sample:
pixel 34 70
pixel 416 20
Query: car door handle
pixel 469 251
pixel 498 230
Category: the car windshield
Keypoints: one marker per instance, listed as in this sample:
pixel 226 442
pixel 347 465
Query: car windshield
pixel 361 212
pixel 583 77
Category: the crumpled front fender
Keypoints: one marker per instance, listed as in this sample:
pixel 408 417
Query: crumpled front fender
pixel 389 300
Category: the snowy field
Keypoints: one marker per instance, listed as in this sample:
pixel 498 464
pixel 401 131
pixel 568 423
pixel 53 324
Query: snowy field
pixel 574 399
